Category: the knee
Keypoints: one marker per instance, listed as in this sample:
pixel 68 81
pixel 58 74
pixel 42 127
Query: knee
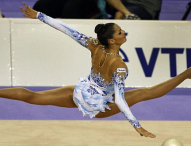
pixel 32 97
pixel 137 95
pixel 25 94
pixel 142 94
pixel 146 93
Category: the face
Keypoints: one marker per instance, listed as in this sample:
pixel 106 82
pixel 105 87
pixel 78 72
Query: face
pixel 119 36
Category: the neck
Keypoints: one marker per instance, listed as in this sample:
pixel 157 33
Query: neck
pixel 113 49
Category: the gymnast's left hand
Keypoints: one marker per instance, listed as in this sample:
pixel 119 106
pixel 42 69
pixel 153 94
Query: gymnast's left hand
pixel 28 11
pixel 144 132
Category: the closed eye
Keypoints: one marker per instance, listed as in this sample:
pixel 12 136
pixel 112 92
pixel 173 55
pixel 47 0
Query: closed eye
pixel 120 32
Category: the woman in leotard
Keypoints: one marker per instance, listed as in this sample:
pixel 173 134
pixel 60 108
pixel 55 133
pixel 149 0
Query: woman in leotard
pixel 100 94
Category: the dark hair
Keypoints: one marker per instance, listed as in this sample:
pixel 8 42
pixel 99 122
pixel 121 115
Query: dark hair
pixel 104 32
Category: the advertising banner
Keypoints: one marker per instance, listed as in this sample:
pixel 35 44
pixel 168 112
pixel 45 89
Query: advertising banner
pixel 154 52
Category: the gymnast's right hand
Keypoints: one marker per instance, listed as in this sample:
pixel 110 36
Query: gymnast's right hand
pixel 28 12
pixel 144 132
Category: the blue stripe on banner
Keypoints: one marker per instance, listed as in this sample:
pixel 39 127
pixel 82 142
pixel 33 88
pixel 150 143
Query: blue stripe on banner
pixel 176 105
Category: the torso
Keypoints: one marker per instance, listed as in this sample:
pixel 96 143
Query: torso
pixel 93 92
pixel 101 66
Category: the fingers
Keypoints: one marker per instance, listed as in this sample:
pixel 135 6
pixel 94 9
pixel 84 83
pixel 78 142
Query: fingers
pixel 149 135
pixel 23 11
pixel 26 16
pixel 145 133
pixel 27 7
pixel 26 10
pixel 152 135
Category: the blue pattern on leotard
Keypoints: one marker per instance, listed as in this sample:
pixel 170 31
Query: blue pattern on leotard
pixel 59 25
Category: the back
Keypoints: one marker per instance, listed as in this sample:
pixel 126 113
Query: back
pixel 106 64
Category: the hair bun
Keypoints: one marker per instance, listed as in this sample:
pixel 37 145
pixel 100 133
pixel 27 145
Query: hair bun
pixel 100 28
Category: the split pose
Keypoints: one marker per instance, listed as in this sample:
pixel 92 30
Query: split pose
pixel 94 94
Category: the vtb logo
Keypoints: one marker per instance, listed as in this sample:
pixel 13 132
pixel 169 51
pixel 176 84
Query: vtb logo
pixel 149 67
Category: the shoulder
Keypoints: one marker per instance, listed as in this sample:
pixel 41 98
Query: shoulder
pixel 92 43
pixel 119 67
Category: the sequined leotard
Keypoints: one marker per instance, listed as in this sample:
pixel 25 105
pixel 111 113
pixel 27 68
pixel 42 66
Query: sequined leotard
pixel 106 78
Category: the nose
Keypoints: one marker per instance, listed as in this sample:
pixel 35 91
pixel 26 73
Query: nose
pixel 126 33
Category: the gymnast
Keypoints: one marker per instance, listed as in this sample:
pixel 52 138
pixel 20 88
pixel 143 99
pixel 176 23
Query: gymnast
pixel 94 94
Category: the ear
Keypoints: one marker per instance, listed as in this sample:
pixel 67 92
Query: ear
pixel 111 41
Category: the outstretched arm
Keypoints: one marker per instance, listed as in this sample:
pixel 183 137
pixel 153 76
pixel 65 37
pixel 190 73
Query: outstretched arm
pixel 119 85
pixel 118 76
pixel 59 25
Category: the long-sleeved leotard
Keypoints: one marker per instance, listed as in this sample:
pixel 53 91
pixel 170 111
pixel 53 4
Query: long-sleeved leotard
pixel 98 98
pixel 119 86
pixel 61 26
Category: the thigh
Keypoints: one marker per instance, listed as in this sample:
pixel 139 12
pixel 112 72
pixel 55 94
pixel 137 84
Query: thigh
pixel 62 97
pixel 131 96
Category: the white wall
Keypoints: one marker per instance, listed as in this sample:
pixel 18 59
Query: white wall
pixel 42 56
pixel 5 70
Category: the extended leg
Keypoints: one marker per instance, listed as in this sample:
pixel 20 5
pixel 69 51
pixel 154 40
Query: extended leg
pixel 137 95
pixel 58 97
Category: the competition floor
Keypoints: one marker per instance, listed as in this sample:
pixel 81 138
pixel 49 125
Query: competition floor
pixel 89 133
pixel 22 124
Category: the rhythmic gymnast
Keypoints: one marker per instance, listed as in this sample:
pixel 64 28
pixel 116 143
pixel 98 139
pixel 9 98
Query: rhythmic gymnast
pixel 94 94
